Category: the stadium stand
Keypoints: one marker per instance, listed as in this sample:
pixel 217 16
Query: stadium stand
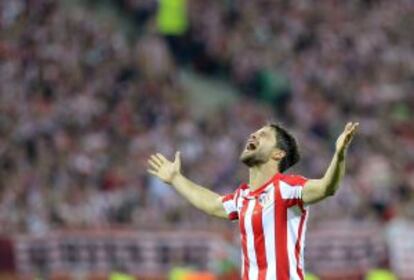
pixel 83 103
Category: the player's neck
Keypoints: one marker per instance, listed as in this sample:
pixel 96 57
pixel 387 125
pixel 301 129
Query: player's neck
pixel 260 174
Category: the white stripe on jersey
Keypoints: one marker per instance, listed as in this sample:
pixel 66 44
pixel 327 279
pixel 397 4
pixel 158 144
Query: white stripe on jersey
pixel 290 192
pixel 302 241
pixel 239 205
pixel 292 237
pixel 268 219
pixel 229 206
pixel 251 252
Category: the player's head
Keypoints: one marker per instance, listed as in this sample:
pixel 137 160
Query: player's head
pixel 271 143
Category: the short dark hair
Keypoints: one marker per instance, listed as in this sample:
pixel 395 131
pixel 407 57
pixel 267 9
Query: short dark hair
pixel 286 142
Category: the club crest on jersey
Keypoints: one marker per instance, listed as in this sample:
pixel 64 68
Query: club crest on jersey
pixel 265 199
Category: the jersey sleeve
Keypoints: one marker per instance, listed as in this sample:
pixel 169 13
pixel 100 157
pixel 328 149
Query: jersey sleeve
pixel 230 205
pixel 291 188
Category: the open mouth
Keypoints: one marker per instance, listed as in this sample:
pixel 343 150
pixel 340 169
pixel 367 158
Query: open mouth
pixel 251 146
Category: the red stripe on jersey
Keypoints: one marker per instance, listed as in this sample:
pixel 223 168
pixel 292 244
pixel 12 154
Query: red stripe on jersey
pixel 292 202
pixel 244 241
pixel 259 241
pixel 298 244
pixel 282 259
pixel 227 198
pixel 233 216
pixel 295 180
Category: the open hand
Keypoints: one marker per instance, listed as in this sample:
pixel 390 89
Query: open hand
pixel 163 168
pixel 346 136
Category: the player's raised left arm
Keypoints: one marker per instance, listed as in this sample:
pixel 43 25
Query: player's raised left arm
pixel 318 189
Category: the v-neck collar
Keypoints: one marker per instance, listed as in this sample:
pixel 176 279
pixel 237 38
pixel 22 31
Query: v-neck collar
pixel 263 187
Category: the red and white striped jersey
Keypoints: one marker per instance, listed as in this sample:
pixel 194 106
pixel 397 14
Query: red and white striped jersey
pixel 272 223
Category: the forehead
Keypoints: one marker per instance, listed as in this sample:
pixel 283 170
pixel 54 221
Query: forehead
pixel 266 130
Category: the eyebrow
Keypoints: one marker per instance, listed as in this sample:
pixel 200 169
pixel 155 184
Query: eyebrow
pixel 262 130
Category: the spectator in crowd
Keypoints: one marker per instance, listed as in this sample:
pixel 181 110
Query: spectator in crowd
pixel 81 106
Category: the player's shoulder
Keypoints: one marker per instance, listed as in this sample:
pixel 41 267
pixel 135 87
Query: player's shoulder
pixel 244 187
pixel 293 179
pixel 239 190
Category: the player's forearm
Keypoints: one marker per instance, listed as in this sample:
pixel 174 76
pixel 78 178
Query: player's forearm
pixel 198 196
pixel 334 174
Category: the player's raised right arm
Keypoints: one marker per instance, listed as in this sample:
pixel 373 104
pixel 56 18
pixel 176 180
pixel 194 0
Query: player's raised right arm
pixel 170 172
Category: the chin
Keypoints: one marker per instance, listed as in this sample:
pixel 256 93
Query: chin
pixel 250 159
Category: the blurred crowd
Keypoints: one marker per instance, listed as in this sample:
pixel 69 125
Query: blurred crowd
pixel 82 106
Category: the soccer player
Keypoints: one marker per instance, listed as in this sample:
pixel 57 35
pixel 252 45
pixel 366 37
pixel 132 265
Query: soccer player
pixel 272 208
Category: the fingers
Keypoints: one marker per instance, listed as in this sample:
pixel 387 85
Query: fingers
pixel 151 171
pixel 350 131
pixel 153 165
pixel 354 128
pixel 177 156
pixel 155 162
pixel 356 125
pixel 350 127
pixel 161 157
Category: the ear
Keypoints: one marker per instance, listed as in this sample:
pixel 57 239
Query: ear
pixel 278 154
